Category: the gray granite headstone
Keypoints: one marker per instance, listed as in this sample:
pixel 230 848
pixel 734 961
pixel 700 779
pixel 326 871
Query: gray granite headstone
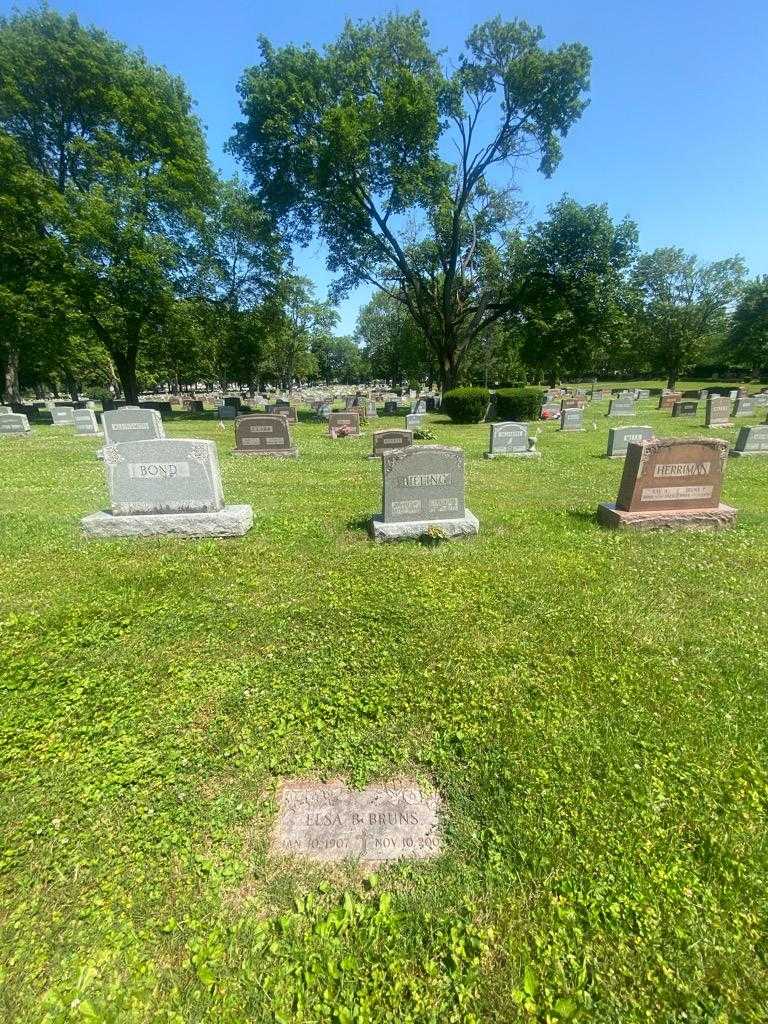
pixel 63 415
pixel 169 486
pixel 643 393
pixel 388 440
pixel 5 410
pixel 752 441
pixel 132 424
pixel 718 413
pixel 510 439
pixel 14 423
pixel 262 434
pixel 743 407
pixel 572 419
pixel 86 423
pixel 623 406
pixel 685 407
pixel 414 421
pixel 620 437
pixel 390 408
pixel 226 412
pixel 328 821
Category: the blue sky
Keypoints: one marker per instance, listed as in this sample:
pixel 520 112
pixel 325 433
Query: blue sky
pixel 676 134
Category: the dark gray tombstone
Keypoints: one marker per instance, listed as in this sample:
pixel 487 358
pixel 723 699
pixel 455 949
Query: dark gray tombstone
pixel 288 413
pixel 685 407
pixel 423 494
pixel 511 439
pixel 262 434
pixel 752 441
pixel 390 440
pixel 620 437
pixel 390 408
pixel 169 486
pixel 226 412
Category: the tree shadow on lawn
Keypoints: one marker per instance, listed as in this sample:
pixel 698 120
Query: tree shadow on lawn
pixel 584 516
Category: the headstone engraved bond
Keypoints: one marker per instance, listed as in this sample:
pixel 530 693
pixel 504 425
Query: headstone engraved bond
pixel 390 440
pixel 14 423
pixel 328 821
pixel 132 424
pixel 63 415
pixel 169 486
pixel 86 424
pixel 718 411
pixel 622 406
pixel 752 441
pixel 511 439
pixel 572 420
pixel 685 407
pixel 423 494
pixel 743 407
pixel 620 437
pixel 263 434
pixel 671 483
pixel 348 421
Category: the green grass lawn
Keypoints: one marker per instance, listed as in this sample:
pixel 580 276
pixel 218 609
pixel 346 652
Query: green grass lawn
pixel 591 706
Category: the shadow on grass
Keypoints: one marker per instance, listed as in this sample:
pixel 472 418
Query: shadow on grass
pixel 584 516
pixel 360 524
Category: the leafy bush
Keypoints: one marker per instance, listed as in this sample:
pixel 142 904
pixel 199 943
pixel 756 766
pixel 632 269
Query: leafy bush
pixel 519 403
pixel 466 405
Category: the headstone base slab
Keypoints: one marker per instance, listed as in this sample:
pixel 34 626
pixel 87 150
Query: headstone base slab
pixel 287 453
pixel 717 426
pixel 720 518
pixel 382 533
pixel 513 455
pixel 734 453
pixel 231 521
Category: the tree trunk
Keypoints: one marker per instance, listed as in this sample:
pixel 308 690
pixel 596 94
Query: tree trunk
pixel 125 364
pixel 11 377
pixel 449 369
pixel 672 380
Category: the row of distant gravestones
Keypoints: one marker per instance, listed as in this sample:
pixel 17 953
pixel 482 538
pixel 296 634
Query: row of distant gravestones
pixel 160 485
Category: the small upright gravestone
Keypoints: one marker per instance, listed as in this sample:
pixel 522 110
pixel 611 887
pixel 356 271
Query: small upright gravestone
pixel 669 483
pixel 226 412
pixel 15 423
pixel 5 410
pixel 620 437
pixel 86 424
pixel 668 399
pixel 511 439
pixel 132 424
pixel 622 406
pixel 423 494
pixel 752 441
pixel 390 408
pixel 572 420
pixel 718 412
pixel 685 407
pixel 288 412
pixel 743 407
pixel 414 421
pixel 63 415
pixel 345 422
pixel 262 434
pixel 550 411
pixel 390 440
pixel 166 487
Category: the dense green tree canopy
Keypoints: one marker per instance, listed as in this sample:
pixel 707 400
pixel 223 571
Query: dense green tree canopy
pixel 748 337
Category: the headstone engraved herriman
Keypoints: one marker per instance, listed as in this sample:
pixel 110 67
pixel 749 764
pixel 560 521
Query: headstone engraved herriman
pixel 166 487
pixel 718 413
pixel 423 494
pixel 86 424
pixel 263 434
pixel 389 440
pixel 15 423
pixel 328 821
pixel 132 424
pixel 511 439
pixel 622 406
pixel 572 420
pixel 620 437
pixel 752 441
pixel 671 483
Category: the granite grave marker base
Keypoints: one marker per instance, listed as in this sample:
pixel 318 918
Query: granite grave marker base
pixel 720 518
pixel 230 521
pixel 444 529
pixel 328 821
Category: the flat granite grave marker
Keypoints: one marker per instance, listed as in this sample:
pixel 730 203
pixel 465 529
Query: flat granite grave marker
pixel 328 821
pixel 166 486
pixel 671 483
pixel 572 420
pixel 685 407
pixel 622 406
pixel 132 424
pixel 389 440
pixel 511 439
pixel 423 494
pixel 86 424
pixel 718 411
pixel 620 437
pixel 262 434
pixel 752 441
pixel 15 423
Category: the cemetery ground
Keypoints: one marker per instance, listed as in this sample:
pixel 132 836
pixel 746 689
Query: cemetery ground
pixel 590 704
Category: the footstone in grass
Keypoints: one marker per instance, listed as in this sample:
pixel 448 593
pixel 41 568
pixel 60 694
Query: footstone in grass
pixel 389 440
pixel 752 441
pixel 328 821
pixel 423 495
pixel 620 437
pixel 671 483
pixel 262 434
pixel 15 423
pixel 511 439
pixel 166 486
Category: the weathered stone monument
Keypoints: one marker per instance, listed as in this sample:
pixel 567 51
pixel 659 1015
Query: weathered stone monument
pixel 390 408
pixel 263 434
pixel 752 441
pixel 668 399
pixel 620 437
pixel 390 440
pixel 347 422
pixel 86 424
pixel 414 421
pixel 15 423
pixel 166 487
pixel 328 821
pixel 572 420
pixel 669 483
pixel 511 439
pixel 718 412
pixel 132 424
pixel 622 406
pixel 423 494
